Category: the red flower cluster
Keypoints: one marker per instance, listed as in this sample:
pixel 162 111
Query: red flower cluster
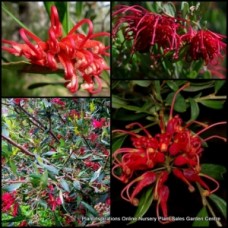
pixel 148 29
pixel 79 54
pixel 74 113
pixel 19 100
pixel 9 202
pixel 175 150
pixel 98 123
pixel 93 165
pixel 53 203
pixel 58 101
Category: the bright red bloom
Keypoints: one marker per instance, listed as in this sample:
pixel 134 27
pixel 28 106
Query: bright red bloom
pixel 206 45
pixel 23 223
pixel 74 113
pixel 93 165
pixel 9 202
pixel 53 203
pixel 97 123
pixel 58 101
pixel 19 100
pixel 147 28
pixel 79 54
pixel 93 137
pixel 151 159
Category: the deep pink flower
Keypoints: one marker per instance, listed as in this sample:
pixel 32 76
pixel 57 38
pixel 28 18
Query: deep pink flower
pixel 79 54
pixel 206 45
pixel 58 101
pixel 146 29
pixel 93 137
pixel 53 203
pixel 9 202
pixel 19 100
pixel 98 123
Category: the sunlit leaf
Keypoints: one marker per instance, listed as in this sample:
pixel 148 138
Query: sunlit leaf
pixel 77 185
pixel 12 187
pixel 65 185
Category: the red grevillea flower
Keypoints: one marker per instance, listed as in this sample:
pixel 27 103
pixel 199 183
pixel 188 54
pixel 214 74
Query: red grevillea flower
pixel 206 45
pixel 9 202
pixel 19 100
pixel 98 123
pixel 53 203
pixel 58 101
pixel 147 28
pixel 151 159
pixel 79 54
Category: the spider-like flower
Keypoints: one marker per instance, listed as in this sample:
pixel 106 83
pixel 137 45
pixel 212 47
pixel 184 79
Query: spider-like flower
pixel 207 45
pixel 151 160
pixel 146 28
pixel 79 54
pixel 159 34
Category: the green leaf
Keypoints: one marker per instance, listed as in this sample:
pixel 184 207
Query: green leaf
pixel 65 185
pixel 213 170
pixel 62 142
pixel 144 204
pixel 218 85
pixel 169 9
pixel 194 109
pixel 184 8
pixel 11 15
pixel 142 83
pixel 15 219
pixel 192 74
pixel 180 103
pixel 79 7
pixel 212 103
pixel 95 175
pixel 201 222
pixel 118 143
pixel 84 157
pixel 12 187
pixel 35 179
pixel 118 102
pixel 13 167
pixel 44 179
pixel 49 153
pixel 89 208
pixel 194 87
pixel 220 203
pixel 77 185
pixel 172 85
pixel 51 169
pixel 5 131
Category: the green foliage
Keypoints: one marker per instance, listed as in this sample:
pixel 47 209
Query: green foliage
pixel 65 168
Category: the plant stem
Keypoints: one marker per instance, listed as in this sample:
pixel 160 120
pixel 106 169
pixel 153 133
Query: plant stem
pixel 23 149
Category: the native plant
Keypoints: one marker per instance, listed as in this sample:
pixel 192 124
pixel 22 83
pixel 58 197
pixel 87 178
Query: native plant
pixel 155 157
pixel 55 161
pixel 80 54
pixel 165 40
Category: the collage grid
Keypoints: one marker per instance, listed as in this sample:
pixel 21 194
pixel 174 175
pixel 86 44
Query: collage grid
pixel 114 113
